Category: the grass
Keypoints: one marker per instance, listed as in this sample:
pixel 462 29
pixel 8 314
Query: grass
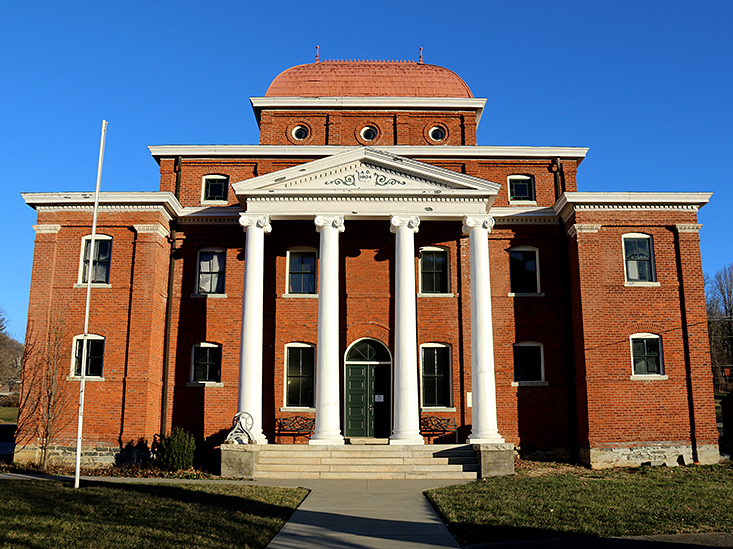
pixel 566 501
pixel 8 414
pixel 51 514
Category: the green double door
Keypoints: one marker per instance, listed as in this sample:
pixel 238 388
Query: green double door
pixel 368 391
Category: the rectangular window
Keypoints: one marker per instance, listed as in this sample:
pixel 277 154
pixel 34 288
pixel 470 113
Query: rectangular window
pixel 434 272
pixel 436 373
pixel 215 188
pixel 523 271
pixel 528 362
pixel 302 273
pixel 207 363
pixel 95 357
pixel 100 262
pixel 300 373
pixel 639 259
pixel 212 269
pixel 521 187
pixel 646 354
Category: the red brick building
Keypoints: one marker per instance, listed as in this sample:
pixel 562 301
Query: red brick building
pixel 370 266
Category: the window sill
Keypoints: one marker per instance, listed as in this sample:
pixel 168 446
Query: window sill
pixel 300 296
pixel 204 384
pixel 436 294
pixel 86 378
pixel 297 409
pixel 642 284
pixel 521 294
pixel 94 285
pixel 649 377
pixel 212 296
pixel 530 384
pixel 214 202
pixel 522 202
pixel 438 409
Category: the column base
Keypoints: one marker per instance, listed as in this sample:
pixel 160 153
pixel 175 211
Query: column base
pixel 407 440
pixel 260 438
pixel 486 439
pixel 326 440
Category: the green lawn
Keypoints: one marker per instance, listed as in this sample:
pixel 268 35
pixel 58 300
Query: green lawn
pixel 574 502
pixel 8 414
pixel 50 514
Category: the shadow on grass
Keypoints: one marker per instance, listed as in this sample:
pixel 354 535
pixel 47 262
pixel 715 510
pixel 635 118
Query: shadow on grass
pixel 101 514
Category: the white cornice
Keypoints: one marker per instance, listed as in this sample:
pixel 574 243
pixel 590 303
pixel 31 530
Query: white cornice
pixel 228 215
pixel 371 103
pixel 108 201
pixel 587 201
pixel 437 152
pixel 524 216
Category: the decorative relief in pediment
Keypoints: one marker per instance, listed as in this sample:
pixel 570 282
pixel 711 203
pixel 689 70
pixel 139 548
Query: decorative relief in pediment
pixel 365 177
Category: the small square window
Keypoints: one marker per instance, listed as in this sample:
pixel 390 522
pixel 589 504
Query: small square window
pixel 639 258
pixel 521 188
pixel 528 362
pixel 300 375
pixel 95 355
pixel 646 352
pixel 101 259
pixel 212 271
pixel 302 272
pixel 523 271
pixel 207 363
pixel 436 376
pixel 216 188
pixel 434 271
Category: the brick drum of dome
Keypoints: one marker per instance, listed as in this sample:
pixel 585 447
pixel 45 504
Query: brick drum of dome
pixel 368 79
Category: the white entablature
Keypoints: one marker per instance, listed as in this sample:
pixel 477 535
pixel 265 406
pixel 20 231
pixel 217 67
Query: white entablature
pixel 366 183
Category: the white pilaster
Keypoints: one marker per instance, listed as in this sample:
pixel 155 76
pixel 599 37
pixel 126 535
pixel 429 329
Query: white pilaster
pixel 250 357
pixel 406 394
pixel 483 383
pixel 327 430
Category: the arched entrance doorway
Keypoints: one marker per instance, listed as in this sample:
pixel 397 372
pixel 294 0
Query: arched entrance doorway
pixel 368 390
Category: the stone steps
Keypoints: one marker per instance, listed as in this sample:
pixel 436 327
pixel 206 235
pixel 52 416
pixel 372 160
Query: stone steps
pixel 377 461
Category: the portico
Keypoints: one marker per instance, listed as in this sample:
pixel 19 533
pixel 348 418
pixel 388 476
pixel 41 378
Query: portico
pixel 368 184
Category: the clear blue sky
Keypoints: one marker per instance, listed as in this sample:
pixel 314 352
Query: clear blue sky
pixel 645 84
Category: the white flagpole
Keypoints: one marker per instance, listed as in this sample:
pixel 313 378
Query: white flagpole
pixel 90 276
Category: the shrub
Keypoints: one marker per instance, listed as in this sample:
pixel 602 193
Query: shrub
pixel 175 451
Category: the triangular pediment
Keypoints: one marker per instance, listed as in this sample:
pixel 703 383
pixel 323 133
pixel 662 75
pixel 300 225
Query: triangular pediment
pixel 362 174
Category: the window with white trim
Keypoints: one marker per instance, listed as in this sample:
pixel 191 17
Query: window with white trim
pixel 215 188
pixel 436 375
pixel 524 270
pixel 529 362
pixel 302 271
pixel 101 259
pixel 94 358
pixel 646 354
pixel 206 363
pixel 212 264
pixel 300 365
pixel 521 188
pixel 639 258
pixel 434 273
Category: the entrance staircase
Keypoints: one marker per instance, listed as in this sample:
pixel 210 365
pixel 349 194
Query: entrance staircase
pixel 371 461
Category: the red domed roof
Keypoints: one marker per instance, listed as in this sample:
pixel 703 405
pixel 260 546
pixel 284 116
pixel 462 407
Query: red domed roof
pixel 368 79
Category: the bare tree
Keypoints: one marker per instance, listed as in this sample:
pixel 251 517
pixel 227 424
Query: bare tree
pixel 720 315
pixel 46 398
pixel 11 356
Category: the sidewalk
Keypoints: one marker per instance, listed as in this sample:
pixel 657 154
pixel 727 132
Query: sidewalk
pixel 394 514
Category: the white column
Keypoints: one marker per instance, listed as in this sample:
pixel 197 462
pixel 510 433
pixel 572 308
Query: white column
pixel 406 394
pixel 327 430
pixel 483 384
pixel 250 357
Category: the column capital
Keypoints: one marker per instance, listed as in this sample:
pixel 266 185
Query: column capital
pixel 412 222
pixel 688 227
pixel 335 221
pixel 259 221
pixel 481 221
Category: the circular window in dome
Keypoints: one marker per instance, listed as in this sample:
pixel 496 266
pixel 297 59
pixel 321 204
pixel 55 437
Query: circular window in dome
pixel 437 133
pixel 300 132
pixel 369 133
